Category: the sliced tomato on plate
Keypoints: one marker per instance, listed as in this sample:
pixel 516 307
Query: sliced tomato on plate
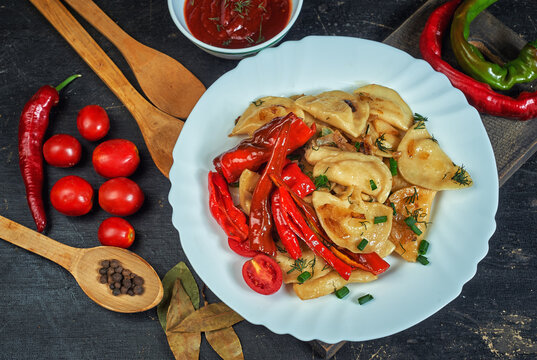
pixel 262 274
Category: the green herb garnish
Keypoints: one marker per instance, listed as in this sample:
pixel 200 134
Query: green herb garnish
pixel 380 219
pixel 303 277
pixel 422 259
pixel 341 293
pixel 366 298
pixel 321 181
pixel 362 244
pixel 372 184
pixel 393 166
pixel 424 246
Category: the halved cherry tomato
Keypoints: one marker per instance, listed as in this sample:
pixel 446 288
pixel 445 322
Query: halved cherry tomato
pixel 241 248
pixel 115 158
pixel 262 274
pixel 72 196
pixel 116 231
pixel 62 150
pixel 92 122
pixel 120 196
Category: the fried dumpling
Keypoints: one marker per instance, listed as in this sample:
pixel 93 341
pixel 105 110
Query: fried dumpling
pixel 339 109
pixel 310 262
pixel 329 283
pixel 387 105
pixel 424 163
pixel 347 222
pixel 413 203
pixel 262 111
pixel 366 172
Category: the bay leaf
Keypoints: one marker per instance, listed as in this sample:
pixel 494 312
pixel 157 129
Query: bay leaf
pixel 226 343
pixel 211 317
pixel 185 345
pixel 179 271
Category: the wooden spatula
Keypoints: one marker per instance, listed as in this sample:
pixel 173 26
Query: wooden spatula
pixel 167 83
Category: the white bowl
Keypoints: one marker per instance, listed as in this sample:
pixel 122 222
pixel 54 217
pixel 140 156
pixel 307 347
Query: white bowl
pixel 176 8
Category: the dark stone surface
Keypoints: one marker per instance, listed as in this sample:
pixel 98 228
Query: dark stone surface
pixel 44 314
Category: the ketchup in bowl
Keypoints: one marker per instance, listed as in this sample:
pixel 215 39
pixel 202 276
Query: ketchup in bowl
pixel 236 24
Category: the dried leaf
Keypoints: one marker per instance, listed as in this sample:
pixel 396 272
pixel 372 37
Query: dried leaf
pixel 184 345
pixel 179 271
pixel 211 317
pixel 226 343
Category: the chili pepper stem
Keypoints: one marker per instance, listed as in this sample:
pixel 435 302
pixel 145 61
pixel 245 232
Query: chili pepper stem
pixel 66 82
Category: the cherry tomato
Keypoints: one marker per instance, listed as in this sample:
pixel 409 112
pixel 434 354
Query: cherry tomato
pixel 116 231
pixel 92 122
pixel 120 196
pixel 241 248
pixel 262 274
pixel 62 150
pixel 115 158
pixel 72 196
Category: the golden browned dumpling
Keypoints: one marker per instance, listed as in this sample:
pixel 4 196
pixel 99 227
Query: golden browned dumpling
pixel 262 111
pixel 413 209
pixel 424 163
pixel 386 104
pixel 339 109
pixel 365 172
pixel 292 268
pixel 329 283
pixel 348 221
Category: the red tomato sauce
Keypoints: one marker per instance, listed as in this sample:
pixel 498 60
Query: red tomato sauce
pixel 236 23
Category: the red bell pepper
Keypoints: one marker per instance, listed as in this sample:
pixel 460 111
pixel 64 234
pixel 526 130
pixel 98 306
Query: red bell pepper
pixel 283 227
pixel 299 182
pixel 260 234
pixel 229 217
pixel 310 238
pixel 253 152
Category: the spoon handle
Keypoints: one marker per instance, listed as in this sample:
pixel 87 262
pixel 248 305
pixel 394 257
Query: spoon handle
pixel 38 243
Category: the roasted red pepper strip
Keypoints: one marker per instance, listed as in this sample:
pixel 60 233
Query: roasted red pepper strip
pixel 229 217
pixel 260 234
pixel 253 152
pixel 311 239
pixel 33 124
pixel 371 262
pixel 282 222
pixel 479 94
pixel 299 182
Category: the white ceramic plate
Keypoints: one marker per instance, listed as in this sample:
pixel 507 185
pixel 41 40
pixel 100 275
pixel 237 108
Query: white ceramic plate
pixel 407 293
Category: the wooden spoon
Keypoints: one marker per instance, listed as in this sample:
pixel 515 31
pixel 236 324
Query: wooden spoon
pixel 160 130
pixel 167 83
pixel 84 265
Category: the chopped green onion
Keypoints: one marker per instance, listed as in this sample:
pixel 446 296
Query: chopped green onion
pixel 424 246
pixel 393 166
pixel 341 293
pixel 380 219
pixel 411 222
pixel 303 277
pixel 393 207
pixel 366 298
pixel 423 260
pixel 362 244
pixel 357 145
pixel 373 185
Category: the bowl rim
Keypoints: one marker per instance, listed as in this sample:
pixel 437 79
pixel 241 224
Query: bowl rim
pixel 294 15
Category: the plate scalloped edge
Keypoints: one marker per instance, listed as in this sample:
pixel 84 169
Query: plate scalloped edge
pixel 353 61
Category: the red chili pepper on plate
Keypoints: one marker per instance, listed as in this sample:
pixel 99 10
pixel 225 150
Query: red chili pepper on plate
pixel 253 152
pixel 284 227
pixel 33 124
pixel 299 182
pixel 479 95
pixel 229 217
pixel 260 234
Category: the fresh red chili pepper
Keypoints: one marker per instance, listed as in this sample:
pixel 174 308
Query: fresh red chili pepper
pixel 251 153
pixel 371 262
pixel 299 182
pixel 260 234
pixel 310 238
pixel 283 227
pixel 240 247
pixel 480 95
pixel 229 217
pixel 33 124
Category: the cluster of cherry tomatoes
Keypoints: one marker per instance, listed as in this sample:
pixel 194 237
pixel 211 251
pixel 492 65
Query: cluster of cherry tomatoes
pixel 114 159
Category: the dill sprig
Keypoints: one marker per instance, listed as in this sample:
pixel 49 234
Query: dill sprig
pixel 461 176
pixel 419 120
pixel 380 144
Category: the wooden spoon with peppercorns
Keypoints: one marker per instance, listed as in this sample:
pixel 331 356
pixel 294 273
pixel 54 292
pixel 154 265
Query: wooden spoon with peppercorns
pixel 84 265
